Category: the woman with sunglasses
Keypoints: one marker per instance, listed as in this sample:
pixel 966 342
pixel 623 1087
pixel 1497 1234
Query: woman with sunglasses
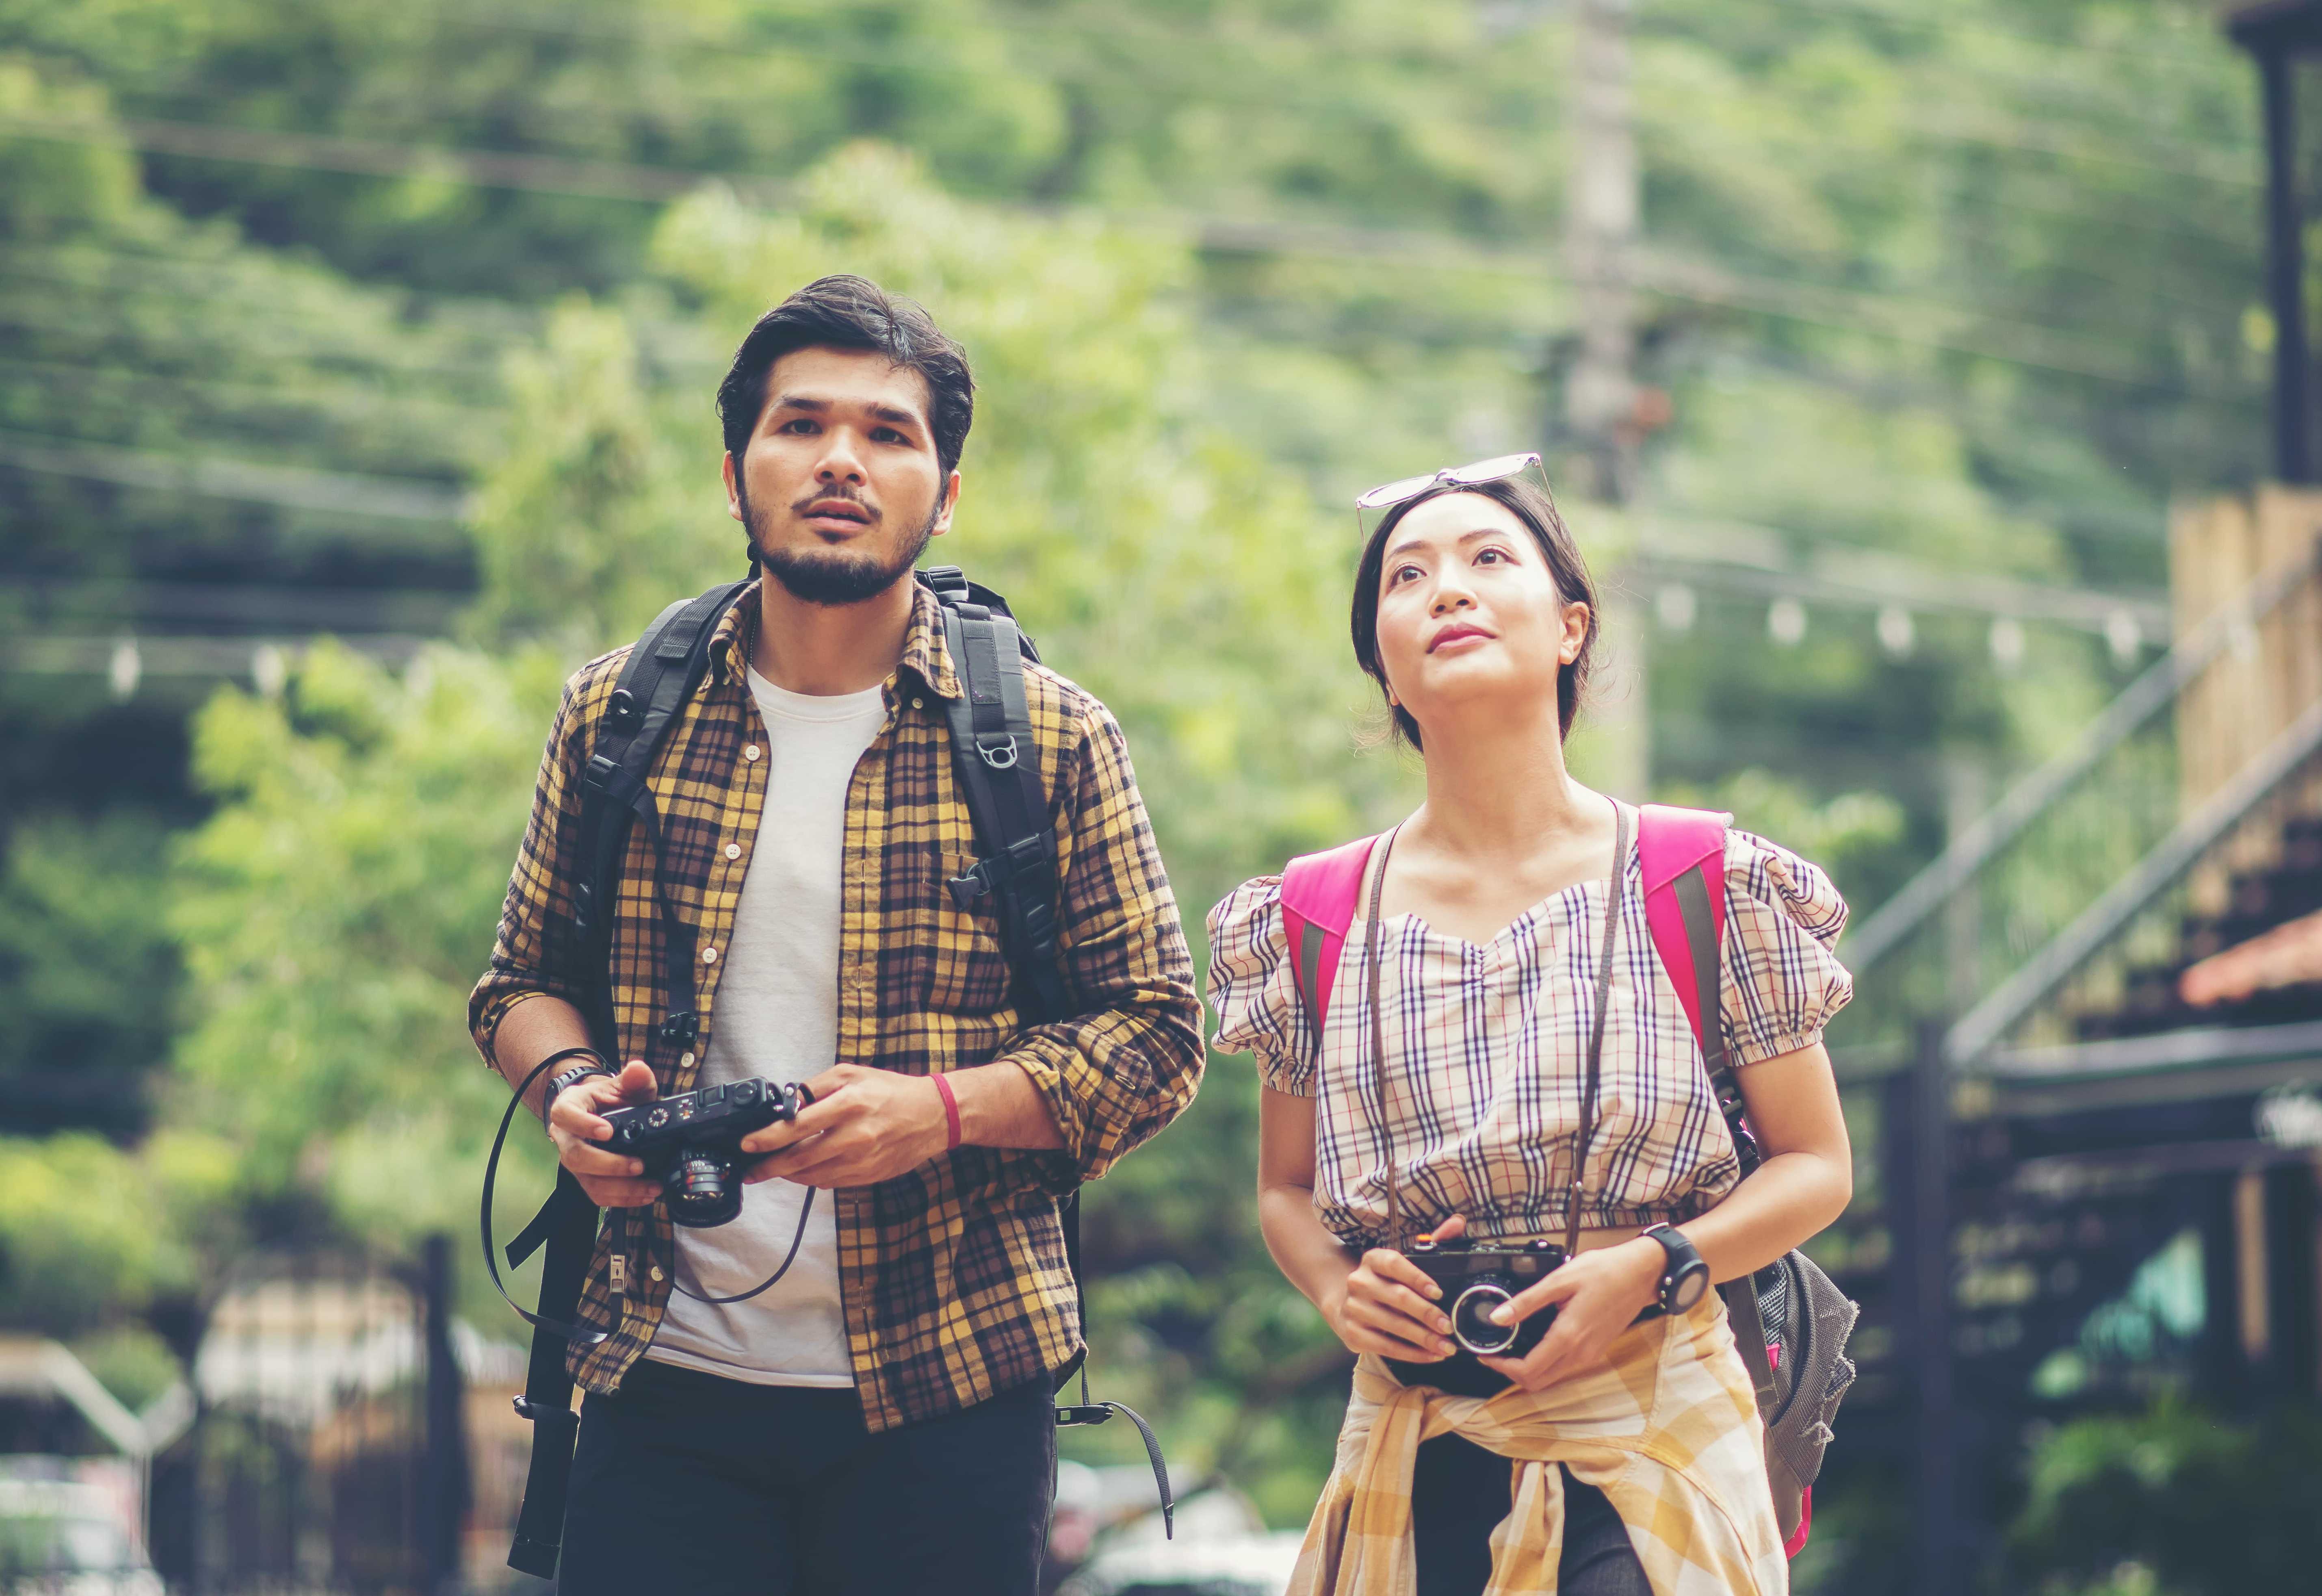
pixel 1501 1060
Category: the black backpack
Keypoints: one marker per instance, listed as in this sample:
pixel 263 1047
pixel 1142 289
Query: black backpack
pixel 1015 877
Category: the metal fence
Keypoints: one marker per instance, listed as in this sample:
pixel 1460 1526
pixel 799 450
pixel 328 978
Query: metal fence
pixel 329 1453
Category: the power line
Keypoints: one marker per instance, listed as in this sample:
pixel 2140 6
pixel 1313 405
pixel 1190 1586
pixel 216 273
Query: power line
pixel 370 158
pixel 656 185
pixel 244 607
pixel 300 488
pixel 127 659
pixel 1197 85
pixel 1849 310
pixel 707 40
pixel 485 371
pixel 264 393
pixel 1745 557
pixel 1951 23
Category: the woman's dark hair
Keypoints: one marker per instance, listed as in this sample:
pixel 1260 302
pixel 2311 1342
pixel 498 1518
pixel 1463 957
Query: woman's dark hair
pixel 852 312
pixel 1538 512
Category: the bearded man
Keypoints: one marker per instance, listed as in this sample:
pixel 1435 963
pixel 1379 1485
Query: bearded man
pixel 880 1418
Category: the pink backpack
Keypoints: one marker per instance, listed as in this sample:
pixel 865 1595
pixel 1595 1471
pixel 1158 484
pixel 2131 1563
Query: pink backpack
pixel 1789 1313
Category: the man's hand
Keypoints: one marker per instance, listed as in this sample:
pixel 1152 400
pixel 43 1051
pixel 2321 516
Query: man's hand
pixel 1600 1294
pixel 864 1127
pixel 612 1180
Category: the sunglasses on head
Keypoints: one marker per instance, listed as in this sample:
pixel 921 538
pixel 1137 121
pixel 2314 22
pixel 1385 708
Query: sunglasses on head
pixel 1372 507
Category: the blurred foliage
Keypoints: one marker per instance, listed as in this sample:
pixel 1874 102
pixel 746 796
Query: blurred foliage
pixel 83 945
pixel 2175 1501
pixel 125 325
pixel 335 911
pixel 88 1231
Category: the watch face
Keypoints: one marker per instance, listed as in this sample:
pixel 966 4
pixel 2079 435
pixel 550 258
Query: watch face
pixel 1688 1286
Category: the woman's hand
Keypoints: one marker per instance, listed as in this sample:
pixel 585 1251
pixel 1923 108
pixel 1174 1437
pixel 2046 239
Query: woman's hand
pixel 1597 1295
pixel 1388 1306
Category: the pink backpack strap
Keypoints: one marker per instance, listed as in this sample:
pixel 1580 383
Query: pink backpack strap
pixel 1683 853
pixel 1318 891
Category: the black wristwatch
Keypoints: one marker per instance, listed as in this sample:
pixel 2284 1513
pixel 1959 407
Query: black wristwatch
pixel 1687 1277
pixel 590 1065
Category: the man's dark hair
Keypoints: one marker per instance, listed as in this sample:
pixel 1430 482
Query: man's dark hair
pixel 1570 571
pixel 852 312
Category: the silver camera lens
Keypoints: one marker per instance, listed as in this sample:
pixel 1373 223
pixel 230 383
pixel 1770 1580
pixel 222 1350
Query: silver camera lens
pixel 1471 1320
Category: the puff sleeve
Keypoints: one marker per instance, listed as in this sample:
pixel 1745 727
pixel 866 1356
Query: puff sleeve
pixel 1782 978
pixel 1255 988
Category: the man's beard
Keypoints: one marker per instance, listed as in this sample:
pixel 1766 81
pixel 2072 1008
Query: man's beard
pixel 834 577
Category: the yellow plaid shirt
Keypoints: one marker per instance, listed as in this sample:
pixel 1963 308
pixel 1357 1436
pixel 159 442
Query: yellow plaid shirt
pixel 953 1276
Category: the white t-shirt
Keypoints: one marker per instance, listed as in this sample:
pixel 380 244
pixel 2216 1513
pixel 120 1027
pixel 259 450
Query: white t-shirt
pixel 777 1017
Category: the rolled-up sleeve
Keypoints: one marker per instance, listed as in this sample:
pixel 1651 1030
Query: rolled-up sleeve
pixel 1129 1061
pixel 536 951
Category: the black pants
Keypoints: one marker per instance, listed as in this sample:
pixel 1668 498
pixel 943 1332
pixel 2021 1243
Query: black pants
pixel 1460 1494
pixel 686 1482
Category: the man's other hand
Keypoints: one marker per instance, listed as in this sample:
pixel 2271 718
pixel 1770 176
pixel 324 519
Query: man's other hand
pixel 864 1127
pixel 612 1180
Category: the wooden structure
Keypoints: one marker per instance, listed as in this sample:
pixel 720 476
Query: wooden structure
pixel 2221 554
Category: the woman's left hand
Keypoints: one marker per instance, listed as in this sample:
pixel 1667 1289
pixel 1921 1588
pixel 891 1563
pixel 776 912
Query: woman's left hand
pixel 1597 1295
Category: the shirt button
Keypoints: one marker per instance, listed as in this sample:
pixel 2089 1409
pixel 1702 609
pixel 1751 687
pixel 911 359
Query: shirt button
pixel 917 704
pixel 709 955
pixel 656 1271
pixel 733 850
pixel 751 751
pixel 687 1061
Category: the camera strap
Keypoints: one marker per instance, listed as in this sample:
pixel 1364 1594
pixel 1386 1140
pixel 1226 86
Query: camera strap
pixel 1596 1027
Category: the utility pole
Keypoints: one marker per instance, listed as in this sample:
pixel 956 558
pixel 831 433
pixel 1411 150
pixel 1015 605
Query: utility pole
pixel 1600 233
pixel 1600 387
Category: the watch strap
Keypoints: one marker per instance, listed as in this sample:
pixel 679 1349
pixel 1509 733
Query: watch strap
pixel 1680 1255
pixel 590 1064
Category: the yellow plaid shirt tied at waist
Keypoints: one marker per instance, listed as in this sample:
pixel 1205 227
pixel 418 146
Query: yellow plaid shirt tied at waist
pixel 953 1275
pixel 1667 1428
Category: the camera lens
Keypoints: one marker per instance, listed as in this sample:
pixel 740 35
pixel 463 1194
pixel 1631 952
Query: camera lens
pixel 1471 1320
pixel 702 1191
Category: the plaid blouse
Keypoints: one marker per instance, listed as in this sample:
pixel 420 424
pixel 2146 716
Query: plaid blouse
pixel 1478 1105
pixel 953 1275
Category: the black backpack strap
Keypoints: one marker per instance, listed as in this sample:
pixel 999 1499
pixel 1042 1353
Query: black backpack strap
pixel 998 763
pixel 656 682
pixel 570 1221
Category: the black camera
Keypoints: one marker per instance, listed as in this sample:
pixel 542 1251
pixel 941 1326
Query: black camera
pixel 1475 1280
pixel 691 1142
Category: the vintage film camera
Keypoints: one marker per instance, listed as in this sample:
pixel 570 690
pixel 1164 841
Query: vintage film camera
pixel 691 1142
pixel 1476 1280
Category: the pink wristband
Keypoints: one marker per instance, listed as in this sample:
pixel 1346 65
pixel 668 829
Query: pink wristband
pixel 951 1111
